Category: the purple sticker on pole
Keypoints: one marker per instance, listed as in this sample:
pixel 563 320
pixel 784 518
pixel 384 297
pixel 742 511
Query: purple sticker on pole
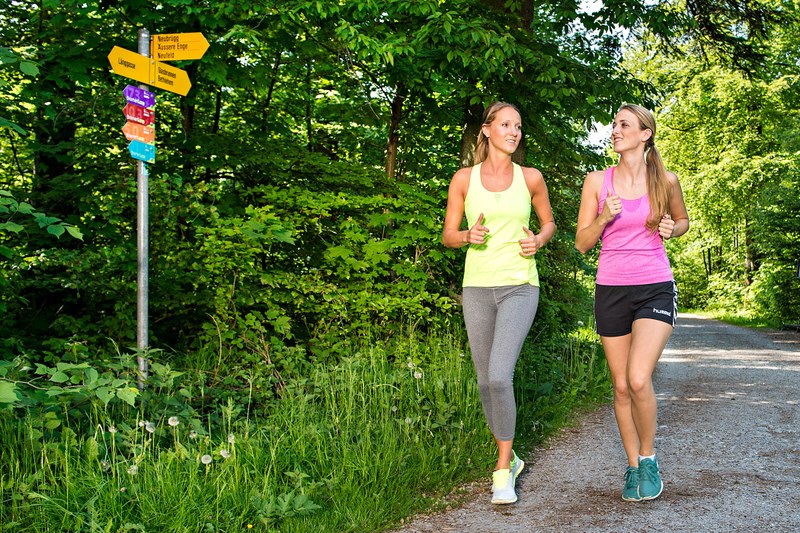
pixel 135 95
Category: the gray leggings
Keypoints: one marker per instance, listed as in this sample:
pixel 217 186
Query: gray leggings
pixel 498 320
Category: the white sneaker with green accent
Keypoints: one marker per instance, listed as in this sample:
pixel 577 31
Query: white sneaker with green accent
pixel 503 481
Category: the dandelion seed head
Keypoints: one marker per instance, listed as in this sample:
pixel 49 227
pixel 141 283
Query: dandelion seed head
pixel 225 454
pixel 580 322
pixel 105 465
pixel 408 420
pixel 418 374
pixel 142 423
pixel 112 429
pixel 394 408
pixel 206 459
pixel 462 354
pixel 133 470
pixel 173 421
pixel 411 364
pixel 192 434
pixel 122 489
pixel 150 427
pixel 231 438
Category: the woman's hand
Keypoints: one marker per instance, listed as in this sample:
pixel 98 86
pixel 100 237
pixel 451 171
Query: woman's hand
pixel 612 206
pixel 665 226
pixel 530 244
pixel 477 233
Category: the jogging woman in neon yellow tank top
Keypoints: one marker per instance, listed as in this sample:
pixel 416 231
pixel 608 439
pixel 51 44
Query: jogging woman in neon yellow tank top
pixel 501 282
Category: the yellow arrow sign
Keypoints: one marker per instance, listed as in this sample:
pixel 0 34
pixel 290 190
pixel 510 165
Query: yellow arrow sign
pixel 170 78
pixel 130 64
pixel 146 70
pixel 178 46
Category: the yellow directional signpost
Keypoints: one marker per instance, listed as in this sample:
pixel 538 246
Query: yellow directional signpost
pixel 178 46
pixel 147 68
pixel 148 71
pixel 130 64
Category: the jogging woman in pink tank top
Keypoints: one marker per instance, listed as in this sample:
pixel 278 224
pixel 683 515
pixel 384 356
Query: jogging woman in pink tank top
pixel 633 208
pixel 501 283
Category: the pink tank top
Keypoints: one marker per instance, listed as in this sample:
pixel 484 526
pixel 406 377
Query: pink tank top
pixel 630 254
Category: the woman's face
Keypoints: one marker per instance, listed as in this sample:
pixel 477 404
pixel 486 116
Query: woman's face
pixel 505 131
pixel 626 132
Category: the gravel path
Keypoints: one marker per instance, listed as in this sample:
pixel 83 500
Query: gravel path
pixel 728 443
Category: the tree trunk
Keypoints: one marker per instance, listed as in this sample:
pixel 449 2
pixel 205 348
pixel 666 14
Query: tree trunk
pixel 309 110
pixel 394 136
pixel 473 113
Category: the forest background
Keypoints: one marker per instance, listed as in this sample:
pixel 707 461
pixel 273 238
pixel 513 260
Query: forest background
pixel 296 205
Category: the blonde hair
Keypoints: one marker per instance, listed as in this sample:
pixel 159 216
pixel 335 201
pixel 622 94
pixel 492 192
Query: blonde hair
pixel 659 188
pixel 482 144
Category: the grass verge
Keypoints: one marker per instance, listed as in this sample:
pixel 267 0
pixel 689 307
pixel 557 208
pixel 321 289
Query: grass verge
pixel 355 447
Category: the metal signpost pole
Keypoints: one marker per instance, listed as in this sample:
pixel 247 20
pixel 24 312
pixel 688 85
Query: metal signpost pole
pixel 148 68
pixel 142 243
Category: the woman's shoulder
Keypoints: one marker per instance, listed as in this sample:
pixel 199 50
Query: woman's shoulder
pixel 531 173
pixel 460 180
pixel 594 178
pixel 463 174
pixel 671 177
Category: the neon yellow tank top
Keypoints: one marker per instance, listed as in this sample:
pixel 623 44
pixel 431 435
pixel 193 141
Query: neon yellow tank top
pixel 497 262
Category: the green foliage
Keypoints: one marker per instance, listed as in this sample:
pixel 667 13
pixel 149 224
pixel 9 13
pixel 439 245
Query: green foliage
pixel 731 139
pixel 54 226
pixel 352 447
pixel 272 221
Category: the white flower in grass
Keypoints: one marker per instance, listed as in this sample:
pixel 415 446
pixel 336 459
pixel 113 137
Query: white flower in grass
pixel 418 374
pixel 173 421
pixel 142 423
pixel 580 322
pixel 225 454
pixel 133 470
pixel 112 429
pixel 462 354
pixel 192 434
pixel 150 427
pixel 394 408
pixel 206 459
pixel 231 438
pixel 408 420
pixel 122 489
pixel 105 465
pixel 411 364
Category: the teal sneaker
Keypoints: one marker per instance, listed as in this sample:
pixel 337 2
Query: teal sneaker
pixel 630 492
pixel 503 481
pixel 650 484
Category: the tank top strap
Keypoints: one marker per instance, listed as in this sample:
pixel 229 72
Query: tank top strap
pixel 518 180
pixel 608 184
pixel 475 178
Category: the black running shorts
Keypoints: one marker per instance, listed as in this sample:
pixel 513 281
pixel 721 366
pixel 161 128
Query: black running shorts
pixel 616 307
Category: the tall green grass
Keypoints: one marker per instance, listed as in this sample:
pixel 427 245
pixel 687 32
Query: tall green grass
pixel 356 447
